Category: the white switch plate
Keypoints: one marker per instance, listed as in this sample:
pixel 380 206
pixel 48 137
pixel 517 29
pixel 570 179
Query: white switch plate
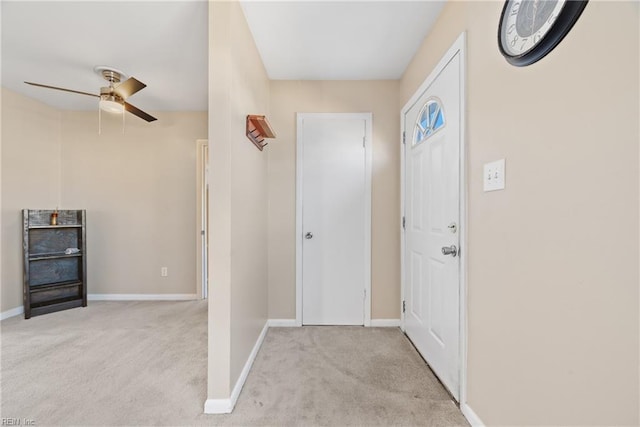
pixel 164 271
pixel 494 176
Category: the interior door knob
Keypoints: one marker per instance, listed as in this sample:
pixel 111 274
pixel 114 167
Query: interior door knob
pixel 308 235
pixel 450 250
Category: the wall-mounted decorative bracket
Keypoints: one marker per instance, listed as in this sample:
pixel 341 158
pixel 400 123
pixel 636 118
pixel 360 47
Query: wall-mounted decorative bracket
pixel 258 128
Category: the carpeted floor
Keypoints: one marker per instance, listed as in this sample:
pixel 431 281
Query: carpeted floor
pixel 144 363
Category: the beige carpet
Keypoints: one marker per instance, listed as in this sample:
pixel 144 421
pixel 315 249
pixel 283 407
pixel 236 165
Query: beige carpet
pixel 144 363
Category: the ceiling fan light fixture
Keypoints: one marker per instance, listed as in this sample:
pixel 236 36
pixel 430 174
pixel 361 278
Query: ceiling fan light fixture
pixel 110 104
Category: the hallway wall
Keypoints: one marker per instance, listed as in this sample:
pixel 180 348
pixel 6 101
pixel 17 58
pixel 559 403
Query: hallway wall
pixel 238 86
pixel 553 259
pixel 378 97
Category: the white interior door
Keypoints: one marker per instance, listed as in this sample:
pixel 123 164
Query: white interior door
pixel 432 206
pixel 334 208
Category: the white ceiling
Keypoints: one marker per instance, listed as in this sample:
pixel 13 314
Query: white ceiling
pixel 164 44
pixel 339 40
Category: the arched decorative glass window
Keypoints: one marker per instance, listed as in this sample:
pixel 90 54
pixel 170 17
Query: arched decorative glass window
pixel 430 120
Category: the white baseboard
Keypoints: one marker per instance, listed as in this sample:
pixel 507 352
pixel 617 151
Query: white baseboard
pixel 385 323
pixel 471 416
pixel 225 406
pixel 218 406
pixel 13 312
pixel 375 323
pixel 142 297
pixel 282 323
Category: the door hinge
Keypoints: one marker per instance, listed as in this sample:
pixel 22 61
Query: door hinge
pixel 365 294
pixel 404 306
pixel 404 137
pixel 403 223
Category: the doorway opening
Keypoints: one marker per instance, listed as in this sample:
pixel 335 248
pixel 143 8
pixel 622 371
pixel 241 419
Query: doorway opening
pixel 202 217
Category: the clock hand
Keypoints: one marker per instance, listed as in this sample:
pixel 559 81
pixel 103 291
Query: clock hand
pixel 535 14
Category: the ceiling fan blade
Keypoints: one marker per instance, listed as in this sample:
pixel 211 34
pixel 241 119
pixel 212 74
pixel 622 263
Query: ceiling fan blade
pixel 63 89
pixel 138 112
pixel 129 87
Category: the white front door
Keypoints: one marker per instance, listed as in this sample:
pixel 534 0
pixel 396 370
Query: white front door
pixel 334 206
pixel 431 209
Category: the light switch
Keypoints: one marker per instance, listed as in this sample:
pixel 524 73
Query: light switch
pixel 494 176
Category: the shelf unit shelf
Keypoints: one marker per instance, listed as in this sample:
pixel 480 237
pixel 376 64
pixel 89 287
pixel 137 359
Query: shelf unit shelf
pixel 40 257
pixel 35 227
pixel 54 280
pixel 56 305
pixel 49 286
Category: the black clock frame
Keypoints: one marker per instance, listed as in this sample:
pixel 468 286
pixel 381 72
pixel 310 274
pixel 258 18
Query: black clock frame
pixel 566 19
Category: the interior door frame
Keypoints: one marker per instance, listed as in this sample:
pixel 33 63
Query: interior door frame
pixel 368 149
pixel 202 210
pixel 458 48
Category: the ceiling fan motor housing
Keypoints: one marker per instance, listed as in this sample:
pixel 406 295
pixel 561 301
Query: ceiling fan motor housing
pixel 108 93
pixel 111 76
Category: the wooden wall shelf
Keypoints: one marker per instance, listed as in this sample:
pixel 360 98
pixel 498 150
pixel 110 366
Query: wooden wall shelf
pixel 258 128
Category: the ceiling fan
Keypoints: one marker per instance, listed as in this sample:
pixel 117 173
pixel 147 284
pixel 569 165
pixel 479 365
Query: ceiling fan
pixel 113 97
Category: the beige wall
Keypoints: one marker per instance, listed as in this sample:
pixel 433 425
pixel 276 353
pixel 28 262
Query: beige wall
pixel 1 231
pixel 30 179
pixel 139 193
pixel 238 86
pixel 138 190
pixel 378 97
pixel 553 259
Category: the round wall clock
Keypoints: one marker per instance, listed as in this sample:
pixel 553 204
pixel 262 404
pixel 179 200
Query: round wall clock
pixel 530 29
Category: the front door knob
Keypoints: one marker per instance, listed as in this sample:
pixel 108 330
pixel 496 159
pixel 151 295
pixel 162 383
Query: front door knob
pixel 308 236
pixel 450 250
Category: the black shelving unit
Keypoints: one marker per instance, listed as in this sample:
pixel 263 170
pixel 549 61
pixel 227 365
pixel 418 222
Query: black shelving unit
pixel 55 263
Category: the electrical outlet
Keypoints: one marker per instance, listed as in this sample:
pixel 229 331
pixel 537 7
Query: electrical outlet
pixel 164 271
pixel 493 175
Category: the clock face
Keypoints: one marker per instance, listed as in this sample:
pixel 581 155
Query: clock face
pixel 530 29
pixel 526 22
